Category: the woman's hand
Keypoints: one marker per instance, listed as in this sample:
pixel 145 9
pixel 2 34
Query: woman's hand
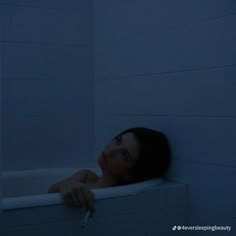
pixel 75 194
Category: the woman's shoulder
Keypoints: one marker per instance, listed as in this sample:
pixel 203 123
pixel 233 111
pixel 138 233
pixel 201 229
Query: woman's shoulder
pixel 91 176
pixel 85 176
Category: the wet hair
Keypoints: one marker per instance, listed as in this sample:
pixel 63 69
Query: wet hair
pixel 154 154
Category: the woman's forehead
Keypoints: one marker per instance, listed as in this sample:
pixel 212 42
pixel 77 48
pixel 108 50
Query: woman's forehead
pixel 131 144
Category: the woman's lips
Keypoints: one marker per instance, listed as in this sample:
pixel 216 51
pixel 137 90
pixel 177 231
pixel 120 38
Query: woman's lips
pixel 104 156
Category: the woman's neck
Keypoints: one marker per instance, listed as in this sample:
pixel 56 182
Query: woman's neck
pixel 107 180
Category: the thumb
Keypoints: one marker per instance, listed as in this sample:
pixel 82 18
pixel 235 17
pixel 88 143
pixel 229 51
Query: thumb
pixel 54 188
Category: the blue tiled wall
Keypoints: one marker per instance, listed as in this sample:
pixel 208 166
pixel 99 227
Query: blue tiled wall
pixel 171 66
pixel 168 65
pixel 46 68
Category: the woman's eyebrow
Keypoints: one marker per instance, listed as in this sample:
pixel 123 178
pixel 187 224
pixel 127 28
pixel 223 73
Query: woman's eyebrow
pixel 128 153
pixel 126 149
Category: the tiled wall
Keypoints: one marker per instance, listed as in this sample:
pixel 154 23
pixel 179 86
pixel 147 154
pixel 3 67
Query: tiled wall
pixel 171 65
pixel 168 65
pixel 46 71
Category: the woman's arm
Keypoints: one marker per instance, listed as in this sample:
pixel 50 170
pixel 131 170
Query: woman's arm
pixel 81 176
pixel 84 176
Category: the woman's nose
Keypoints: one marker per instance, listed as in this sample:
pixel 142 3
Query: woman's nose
pixel 112 152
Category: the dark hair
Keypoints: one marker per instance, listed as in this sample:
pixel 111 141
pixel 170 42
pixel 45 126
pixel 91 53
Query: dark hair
pixel 154 154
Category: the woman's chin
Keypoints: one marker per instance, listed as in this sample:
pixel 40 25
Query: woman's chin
pixel 100 162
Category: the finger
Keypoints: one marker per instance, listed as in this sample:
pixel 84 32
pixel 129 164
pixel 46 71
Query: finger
pixel 92 201
pixel 81 197
pixel 68 200
pixel 86 200
pixel 53 189
pixel 89 200
pixel 77 198
pixel 76 201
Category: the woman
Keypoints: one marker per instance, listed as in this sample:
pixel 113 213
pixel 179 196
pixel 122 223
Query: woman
pixel 134 155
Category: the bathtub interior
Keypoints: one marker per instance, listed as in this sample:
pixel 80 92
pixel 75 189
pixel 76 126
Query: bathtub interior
pixel 34 182
pixel 37 182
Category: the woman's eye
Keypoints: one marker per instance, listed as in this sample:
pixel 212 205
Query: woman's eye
pixel 118 139
pixel 125 156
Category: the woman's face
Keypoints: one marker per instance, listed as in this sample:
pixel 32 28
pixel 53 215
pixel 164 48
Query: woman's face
pixel 119 155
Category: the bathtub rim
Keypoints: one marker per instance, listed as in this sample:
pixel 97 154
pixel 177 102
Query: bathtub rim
pixel 26 201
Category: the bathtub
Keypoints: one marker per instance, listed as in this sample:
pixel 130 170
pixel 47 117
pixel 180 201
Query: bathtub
pixel 28 209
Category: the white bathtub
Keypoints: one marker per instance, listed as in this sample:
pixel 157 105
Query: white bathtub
pixel 28 207
pixel 29 188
